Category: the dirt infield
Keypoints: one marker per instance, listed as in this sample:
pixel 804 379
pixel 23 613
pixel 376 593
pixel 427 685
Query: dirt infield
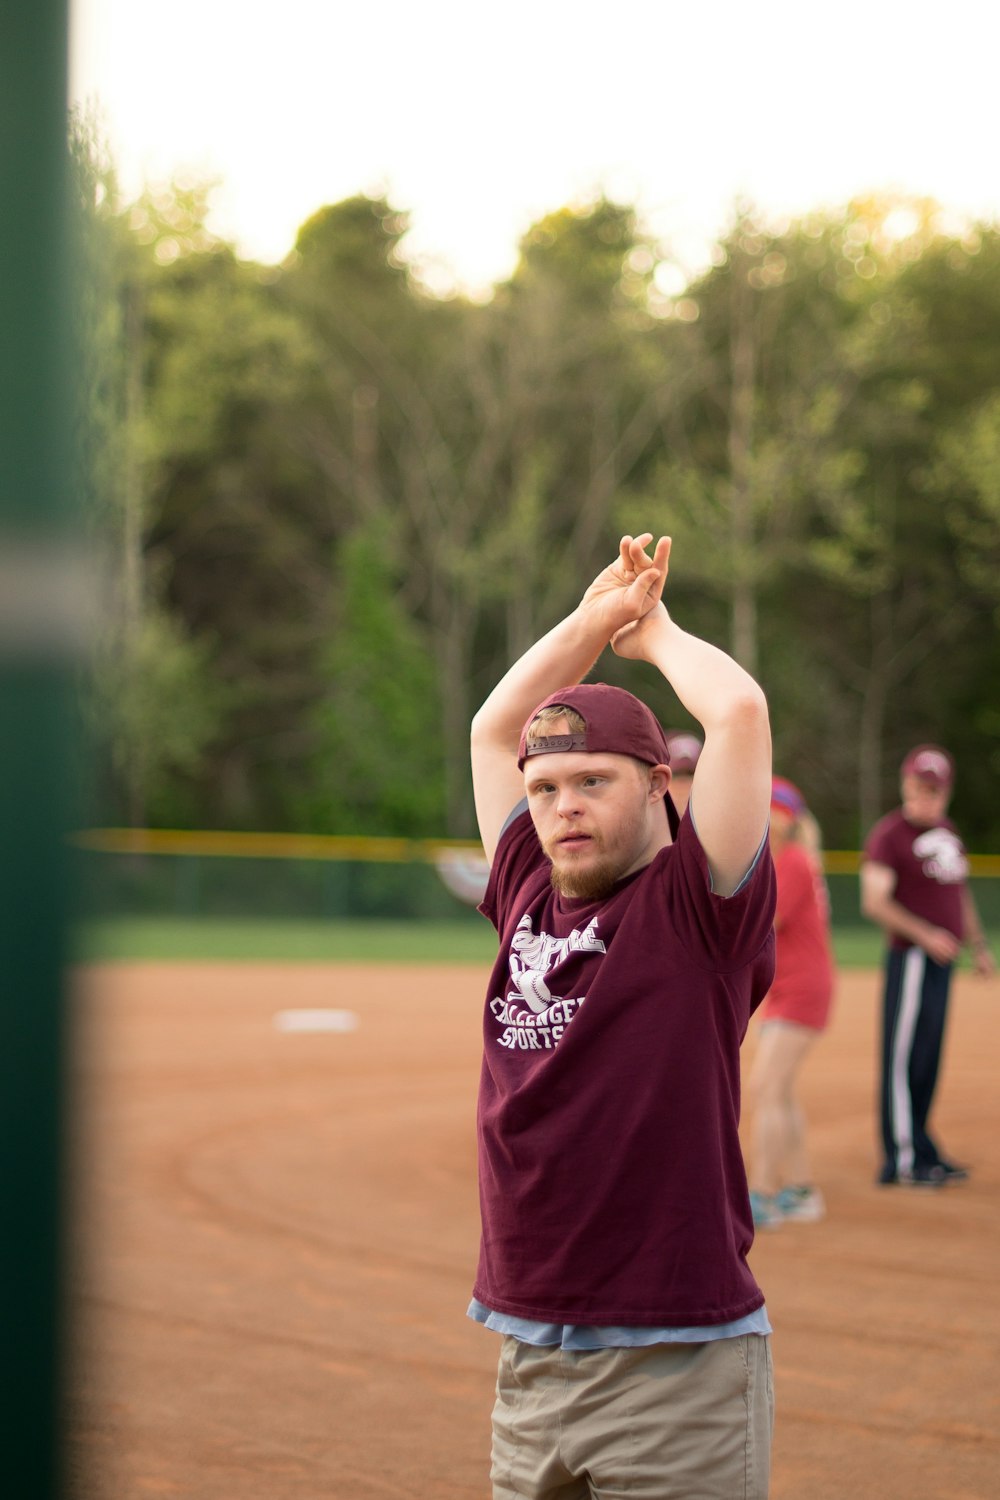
pixel 277 1235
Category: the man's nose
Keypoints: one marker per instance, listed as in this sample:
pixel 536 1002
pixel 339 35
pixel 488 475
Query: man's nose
pixel 568 803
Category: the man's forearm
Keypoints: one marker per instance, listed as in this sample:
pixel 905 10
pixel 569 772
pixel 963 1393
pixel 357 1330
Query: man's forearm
pixel 711 685
pixel 731 790
pixel 971 921
pixel 896 921
pixel 562 657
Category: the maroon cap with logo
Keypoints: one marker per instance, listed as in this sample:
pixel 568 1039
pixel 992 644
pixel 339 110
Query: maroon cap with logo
pixel 616 723
pixel 685 749
pixel 931 764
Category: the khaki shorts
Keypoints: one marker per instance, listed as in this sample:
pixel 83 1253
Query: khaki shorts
pixel 669 1422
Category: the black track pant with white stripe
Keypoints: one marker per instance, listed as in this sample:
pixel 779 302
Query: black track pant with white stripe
pixel 913 1017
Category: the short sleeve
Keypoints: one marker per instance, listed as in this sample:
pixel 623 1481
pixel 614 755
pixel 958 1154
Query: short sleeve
pixel 880 845
pixel 721 933
pixel 518 853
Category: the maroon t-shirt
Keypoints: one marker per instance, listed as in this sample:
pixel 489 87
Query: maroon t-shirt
pixel 612 1185
pixel 931 869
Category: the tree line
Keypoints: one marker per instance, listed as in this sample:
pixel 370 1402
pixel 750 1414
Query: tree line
pixel 332 507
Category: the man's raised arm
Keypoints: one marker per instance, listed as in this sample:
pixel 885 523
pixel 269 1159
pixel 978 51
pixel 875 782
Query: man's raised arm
pixel 619 596
pixel 731 790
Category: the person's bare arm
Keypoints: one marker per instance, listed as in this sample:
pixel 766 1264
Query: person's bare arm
pixel 562 657
pixel 731 789
pixel 620 594
pixel 972 926
pixel 878 904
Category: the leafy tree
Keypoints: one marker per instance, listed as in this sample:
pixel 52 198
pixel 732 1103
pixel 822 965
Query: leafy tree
pixel 376 759
pixel 147 698
pixel 795 479
pixel 153 701
pixel 336 506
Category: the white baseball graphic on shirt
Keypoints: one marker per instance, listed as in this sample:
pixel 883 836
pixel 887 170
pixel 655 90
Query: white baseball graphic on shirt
pixel 532 955
pixel 942 856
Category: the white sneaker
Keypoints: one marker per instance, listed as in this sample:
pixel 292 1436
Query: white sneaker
pixel 804 1204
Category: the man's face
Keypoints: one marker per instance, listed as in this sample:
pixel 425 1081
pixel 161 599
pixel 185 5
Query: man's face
pixel 924 802
pixel 597 817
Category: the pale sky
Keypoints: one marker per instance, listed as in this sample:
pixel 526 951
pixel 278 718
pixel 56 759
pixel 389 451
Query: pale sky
pixel 479 117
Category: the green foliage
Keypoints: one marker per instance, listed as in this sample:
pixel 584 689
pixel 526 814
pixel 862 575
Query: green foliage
pixel 104 255
pixel 153 708
pixel 377 763
pixel 587 253
pixel 354 242
pixel 335 508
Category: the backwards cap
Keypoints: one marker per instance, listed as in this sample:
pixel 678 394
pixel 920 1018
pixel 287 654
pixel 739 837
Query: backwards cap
pixel 931 763
pixel 615 722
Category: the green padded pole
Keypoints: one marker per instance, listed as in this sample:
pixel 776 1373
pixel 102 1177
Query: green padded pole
pixel 40 625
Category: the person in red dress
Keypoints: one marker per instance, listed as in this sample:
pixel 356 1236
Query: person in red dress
pixel 794 1014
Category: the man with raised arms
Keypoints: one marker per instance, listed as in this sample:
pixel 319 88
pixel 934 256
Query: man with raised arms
pixel 615 1214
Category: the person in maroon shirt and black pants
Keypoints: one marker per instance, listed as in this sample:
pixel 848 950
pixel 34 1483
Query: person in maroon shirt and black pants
pixel 914 884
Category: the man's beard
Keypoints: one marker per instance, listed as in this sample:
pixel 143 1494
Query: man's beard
pixel 598 879
pixel 592 884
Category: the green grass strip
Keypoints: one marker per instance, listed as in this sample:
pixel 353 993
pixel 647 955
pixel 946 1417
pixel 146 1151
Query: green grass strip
pixel 290 941
pixel 284 941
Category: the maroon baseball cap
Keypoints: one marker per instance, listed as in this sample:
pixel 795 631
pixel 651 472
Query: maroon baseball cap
pixel 931 764
pixel 684 750
pixel 616 723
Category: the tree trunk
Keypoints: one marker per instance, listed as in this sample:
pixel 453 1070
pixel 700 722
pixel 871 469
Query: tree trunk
pixel 454 629
pixel 743 359
pixel 133 521
pixel 870 735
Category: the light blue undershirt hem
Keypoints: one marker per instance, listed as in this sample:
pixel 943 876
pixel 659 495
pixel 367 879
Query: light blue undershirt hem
pixel 585 1336
pixel 753 864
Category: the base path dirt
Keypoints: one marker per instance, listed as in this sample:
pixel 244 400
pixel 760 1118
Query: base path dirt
pixel 276 1233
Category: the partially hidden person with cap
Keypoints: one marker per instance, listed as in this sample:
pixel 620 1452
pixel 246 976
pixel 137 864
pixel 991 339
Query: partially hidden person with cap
pixel 914 884
pixel 685 749
pixel 795 1013
pixel 634 946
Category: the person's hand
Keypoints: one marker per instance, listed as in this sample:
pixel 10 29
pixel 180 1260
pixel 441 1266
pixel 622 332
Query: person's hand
pixel 941 945
pixel 629 588
pixel 982 960
pixel 629 640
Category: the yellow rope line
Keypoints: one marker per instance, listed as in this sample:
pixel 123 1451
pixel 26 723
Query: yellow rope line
pixel 264 845
pixel 356 846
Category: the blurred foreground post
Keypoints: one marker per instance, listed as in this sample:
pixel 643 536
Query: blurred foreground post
pixel 40 627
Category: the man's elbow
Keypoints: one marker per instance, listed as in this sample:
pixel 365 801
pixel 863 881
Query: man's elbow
pixel 482 730
pixel 746 713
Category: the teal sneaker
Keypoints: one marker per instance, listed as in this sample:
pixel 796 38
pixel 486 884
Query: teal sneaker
pixel 803 1204
pixel 765 1210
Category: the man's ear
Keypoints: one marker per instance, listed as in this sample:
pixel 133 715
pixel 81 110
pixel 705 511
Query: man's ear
pixel 659 782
